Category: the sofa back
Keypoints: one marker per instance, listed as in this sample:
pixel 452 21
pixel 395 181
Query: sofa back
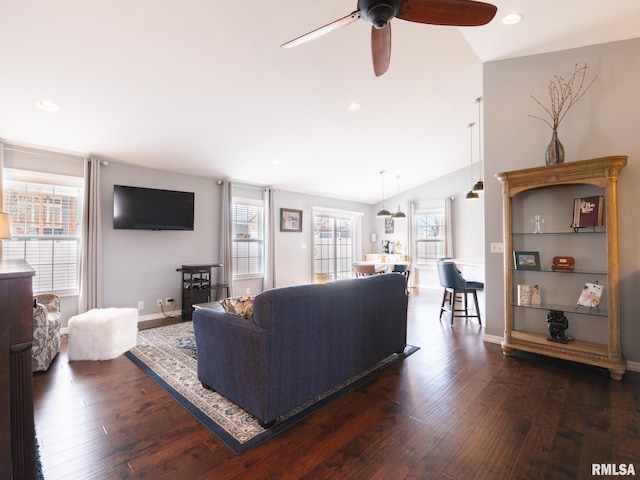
pixel 319 335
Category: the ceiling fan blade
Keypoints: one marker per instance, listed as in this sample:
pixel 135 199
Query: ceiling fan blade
pixel 381 49
pixel 318 32
pixel 461 13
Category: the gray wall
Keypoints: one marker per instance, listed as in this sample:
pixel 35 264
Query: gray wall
pixel 604 122
pixel 141 265
pixel 294 250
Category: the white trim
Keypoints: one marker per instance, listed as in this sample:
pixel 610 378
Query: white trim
pixel 30 176
pixel 492 339
pixel 335 211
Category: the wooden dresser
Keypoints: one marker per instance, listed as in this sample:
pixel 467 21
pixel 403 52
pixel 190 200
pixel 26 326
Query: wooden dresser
pixel 17 431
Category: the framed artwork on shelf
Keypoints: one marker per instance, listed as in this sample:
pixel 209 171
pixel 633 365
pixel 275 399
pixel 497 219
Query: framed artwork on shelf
pixel 526 260
pixel 290 220
pixel 590 295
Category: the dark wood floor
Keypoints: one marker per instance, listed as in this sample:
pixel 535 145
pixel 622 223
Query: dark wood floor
pixel 456 409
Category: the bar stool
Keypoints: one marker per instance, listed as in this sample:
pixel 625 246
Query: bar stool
pixel 454 284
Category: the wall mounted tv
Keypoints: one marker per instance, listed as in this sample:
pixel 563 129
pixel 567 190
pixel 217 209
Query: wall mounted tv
pixel 136 208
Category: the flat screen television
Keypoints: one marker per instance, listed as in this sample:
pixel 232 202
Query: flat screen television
pixel 137 208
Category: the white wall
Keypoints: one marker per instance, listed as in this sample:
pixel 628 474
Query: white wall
pixel 605 122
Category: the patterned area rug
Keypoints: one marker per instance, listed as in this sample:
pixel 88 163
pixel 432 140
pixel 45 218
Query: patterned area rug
pixel 168 356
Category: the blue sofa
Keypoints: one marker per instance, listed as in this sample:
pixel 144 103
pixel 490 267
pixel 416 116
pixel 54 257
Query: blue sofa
pixel 301 341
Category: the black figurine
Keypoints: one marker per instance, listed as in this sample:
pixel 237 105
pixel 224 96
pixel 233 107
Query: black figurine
pixel 557 324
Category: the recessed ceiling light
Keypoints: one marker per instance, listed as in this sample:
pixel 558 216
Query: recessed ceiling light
pixel 47 106
pixel 354 106
pixel 512 18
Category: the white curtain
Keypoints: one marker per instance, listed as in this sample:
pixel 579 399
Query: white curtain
pixel 90 260
pixel 411 222
pixel 269 279
pixel 448 218
pixel 226 249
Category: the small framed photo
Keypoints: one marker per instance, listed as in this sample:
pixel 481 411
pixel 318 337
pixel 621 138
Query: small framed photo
pixel 290 220
pixel 526 260
pixel 388 225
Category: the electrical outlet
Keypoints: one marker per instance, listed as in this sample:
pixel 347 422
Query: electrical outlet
pixel 140 305
pixel 497 247
pixel 159 302
pixel 168 300
pixel 248 291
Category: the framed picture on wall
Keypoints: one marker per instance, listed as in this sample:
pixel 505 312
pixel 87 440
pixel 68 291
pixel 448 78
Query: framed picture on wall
pixel 388 225
pixel 290 220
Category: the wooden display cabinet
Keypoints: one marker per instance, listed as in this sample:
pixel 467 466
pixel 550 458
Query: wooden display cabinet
pixel 548 193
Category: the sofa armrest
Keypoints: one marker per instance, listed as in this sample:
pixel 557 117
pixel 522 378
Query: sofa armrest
pixel 232 353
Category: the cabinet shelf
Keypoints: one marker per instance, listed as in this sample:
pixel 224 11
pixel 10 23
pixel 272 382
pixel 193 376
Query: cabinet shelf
pixel 581 310
pixel 549 234
pixel 542 191
pixel 563 272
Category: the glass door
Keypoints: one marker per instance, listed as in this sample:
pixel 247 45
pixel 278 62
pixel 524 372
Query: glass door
pixel 332 247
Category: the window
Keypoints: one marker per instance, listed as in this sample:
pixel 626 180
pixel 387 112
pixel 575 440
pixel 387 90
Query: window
pixel 248 238
pixel 45 227
pixel 430 234
pixel 335 235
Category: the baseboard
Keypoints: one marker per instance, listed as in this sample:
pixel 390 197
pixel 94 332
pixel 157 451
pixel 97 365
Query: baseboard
pixel 143 318
pixel 156 316
pixel 631 366
pixel 492 339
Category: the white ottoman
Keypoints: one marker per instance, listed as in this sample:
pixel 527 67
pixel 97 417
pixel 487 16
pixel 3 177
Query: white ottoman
pixel 102 333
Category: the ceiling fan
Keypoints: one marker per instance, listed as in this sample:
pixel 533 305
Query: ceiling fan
pixel 462 13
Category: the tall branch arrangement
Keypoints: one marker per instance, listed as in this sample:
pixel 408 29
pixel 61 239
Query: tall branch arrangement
pixel 564 94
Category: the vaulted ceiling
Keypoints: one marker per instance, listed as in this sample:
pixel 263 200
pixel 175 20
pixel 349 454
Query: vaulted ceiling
pixel 203 86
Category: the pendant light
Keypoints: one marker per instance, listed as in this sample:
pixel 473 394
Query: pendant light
pixel 479 186
pixel 399 214
pixel 471 195
pixel 383 213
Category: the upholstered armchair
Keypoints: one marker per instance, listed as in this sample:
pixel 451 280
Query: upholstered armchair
pixel 46 331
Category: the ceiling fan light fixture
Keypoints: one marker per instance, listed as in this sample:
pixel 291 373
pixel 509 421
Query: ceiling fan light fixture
pixel 512 18
pixel 379 13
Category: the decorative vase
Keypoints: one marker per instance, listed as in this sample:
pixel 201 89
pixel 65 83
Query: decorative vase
pixel 555 151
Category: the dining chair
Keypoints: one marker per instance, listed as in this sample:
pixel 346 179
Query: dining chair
pixel 364 270
pixel 456 288
pixel 403 268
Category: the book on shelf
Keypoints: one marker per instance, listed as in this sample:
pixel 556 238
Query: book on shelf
pixel 587 212
pixel 528 295
pixel 590 295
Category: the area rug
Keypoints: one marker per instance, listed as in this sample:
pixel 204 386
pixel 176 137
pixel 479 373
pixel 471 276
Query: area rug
pixel 168 355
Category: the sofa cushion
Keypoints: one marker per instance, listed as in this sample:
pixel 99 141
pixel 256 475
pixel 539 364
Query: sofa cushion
pixel 240 306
